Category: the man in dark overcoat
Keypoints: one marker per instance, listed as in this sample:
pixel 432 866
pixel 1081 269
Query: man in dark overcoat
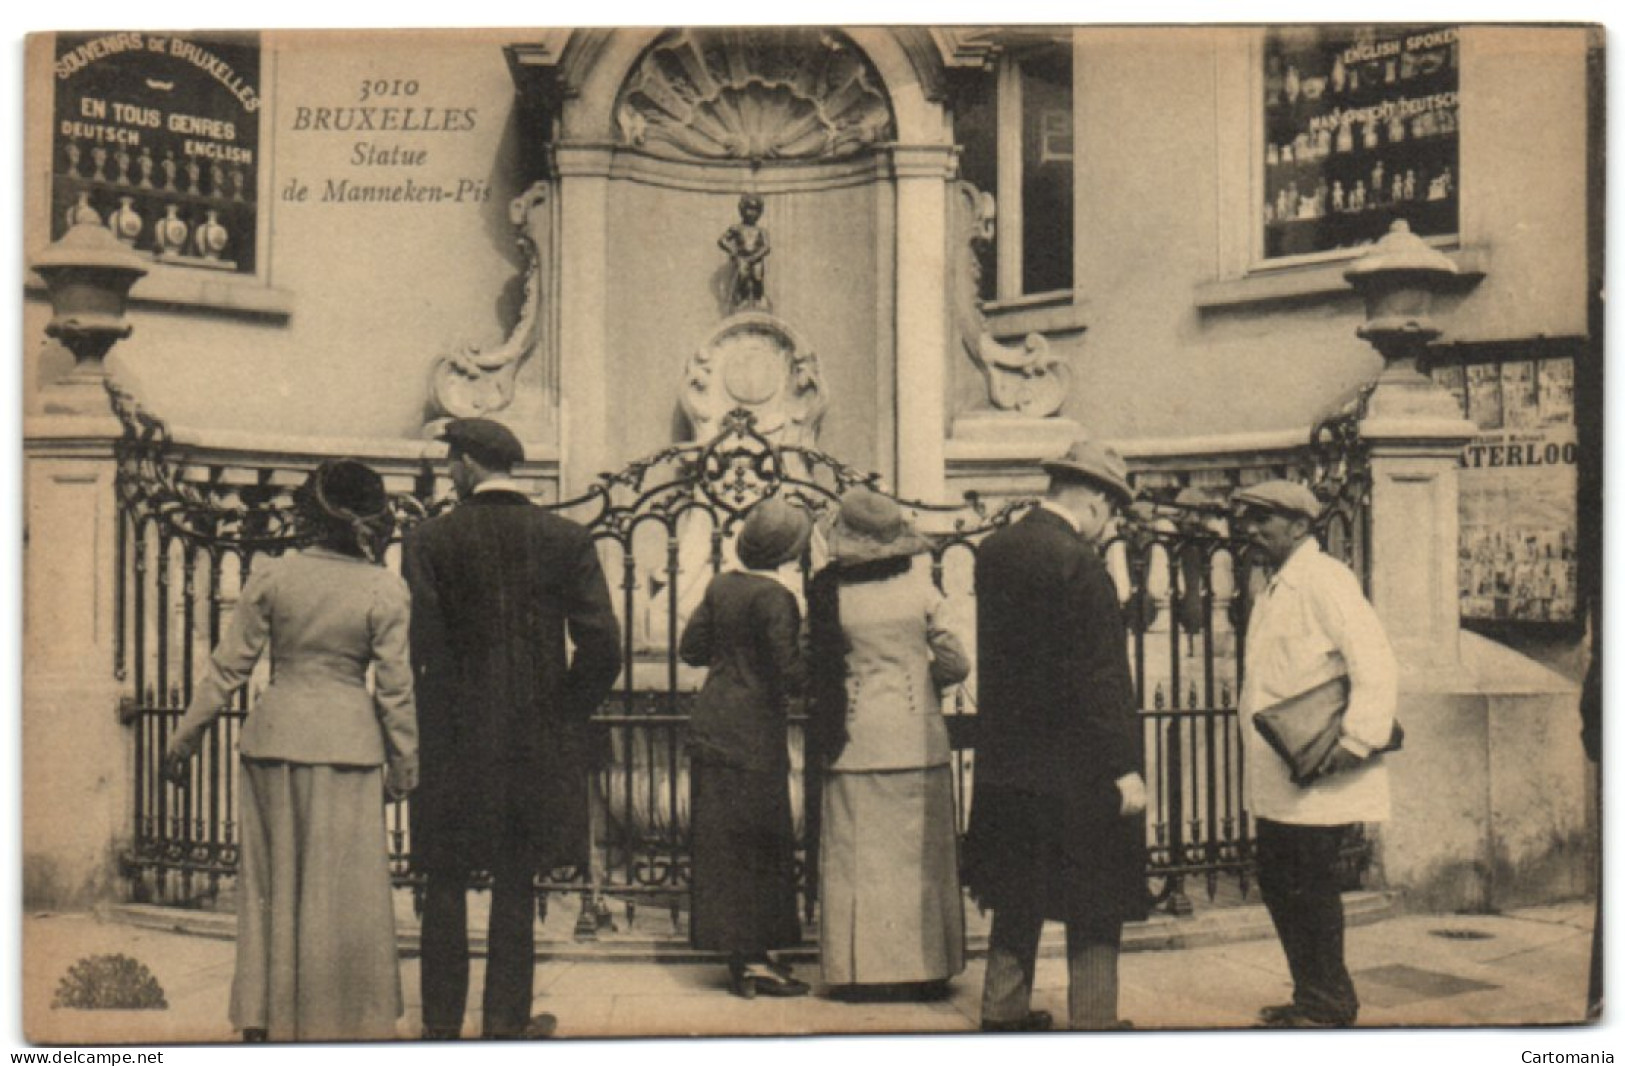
pixel 1056 826
pixel 497 585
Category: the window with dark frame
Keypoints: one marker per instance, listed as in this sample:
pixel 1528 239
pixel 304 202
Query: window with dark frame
pixel 1360 129
pixel 1015 121
pixel 157 138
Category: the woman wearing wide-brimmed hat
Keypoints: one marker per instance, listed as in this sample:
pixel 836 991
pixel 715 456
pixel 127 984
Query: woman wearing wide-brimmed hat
pixel 316 956
pixel 892 919
pixel 747 633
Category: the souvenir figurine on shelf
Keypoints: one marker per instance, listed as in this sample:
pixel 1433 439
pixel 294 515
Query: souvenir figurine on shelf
pixel 73 152
pixel 1345 136
pixel 121 165
pixel 1338 201
pixel 211 237
pixel 1339 74
pixel 237 179
pixel 1399 189
pixel 1293 84
pixel 170 232
pixel 1357 197
pixel 1286 154
pixel 98 161
pixel 1272 155
pixel 217 180
pixel 1377 174
pixel 1371 138
pixel 1396 130
pixel 1269 210
pixel 1410 185
pixel 83 212
pixel 1284 202
pixel 194 170
pixel 143 168
pixel 126 222
pixel 167 169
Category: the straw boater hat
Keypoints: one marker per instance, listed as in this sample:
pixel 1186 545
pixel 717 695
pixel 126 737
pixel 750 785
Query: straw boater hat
pixel 870 527
pixel 1281 496
pixel 774 533
pixel 1095 464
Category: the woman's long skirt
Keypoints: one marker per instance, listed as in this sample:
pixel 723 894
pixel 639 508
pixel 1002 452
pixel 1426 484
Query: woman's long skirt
pixel 891 910
pixel 316 955
pixel 744 889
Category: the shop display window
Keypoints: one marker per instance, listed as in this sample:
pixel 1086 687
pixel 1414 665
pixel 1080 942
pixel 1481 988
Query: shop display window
pixel 157 138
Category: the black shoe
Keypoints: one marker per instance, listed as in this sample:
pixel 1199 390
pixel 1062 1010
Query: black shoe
pixel 256 1036
pixel 1298 1018
pixel 1036 1021
pixel 751 979
pixel 1119 1025
pixel 1275 1012
pixel 442 1032
pixel 540 1027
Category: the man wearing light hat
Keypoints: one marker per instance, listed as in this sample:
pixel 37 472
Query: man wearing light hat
pixel 1057 829
pixel 497 585
pixel 1311 625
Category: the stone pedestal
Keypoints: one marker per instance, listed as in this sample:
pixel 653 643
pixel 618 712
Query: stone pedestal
pixel 77 759
pixel 583 306
pixel 923 173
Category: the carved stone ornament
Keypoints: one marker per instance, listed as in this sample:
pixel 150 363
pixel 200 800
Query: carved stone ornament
pixel 753 94
pixel 755 362
pixel 475 381
pixel 1028 380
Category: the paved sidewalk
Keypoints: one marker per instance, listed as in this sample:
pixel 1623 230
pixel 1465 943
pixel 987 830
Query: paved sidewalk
pixel 1524 968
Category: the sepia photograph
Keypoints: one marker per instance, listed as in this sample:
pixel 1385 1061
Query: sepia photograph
pixel 825 528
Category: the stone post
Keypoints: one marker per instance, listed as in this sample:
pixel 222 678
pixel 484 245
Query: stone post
pixel 77 755
pixel 583 343
pixel 1414 433
pixel 1488 803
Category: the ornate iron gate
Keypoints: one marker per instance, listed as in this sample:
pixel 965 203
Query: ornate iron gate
pixel 190 534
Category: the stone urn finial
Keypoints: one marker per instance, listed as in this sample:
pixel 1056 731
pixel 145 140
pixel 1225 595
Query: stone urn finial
pixel 1398 278
pixel 88 273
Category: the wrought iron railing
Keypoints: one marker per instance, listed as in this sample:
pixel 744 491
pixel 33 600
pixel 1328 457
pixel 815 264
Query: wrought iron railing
pixel 190 534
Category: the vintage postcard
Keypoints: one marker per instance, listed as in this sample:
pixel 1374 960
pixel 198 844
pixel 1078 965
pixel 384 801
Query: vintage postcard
pixel 589 532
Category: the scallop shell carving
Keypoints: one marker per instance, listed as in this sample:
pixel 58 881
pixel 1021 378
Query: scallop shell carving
pixel 757 94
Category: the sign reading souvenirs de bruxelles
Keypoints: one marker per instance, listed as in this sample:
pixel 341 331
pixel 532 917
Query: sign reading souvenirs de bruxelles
pixel 157 137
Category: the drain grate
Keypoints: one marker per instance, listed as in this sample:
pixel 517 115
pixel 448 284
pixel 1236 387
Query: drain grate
pixel 1461 934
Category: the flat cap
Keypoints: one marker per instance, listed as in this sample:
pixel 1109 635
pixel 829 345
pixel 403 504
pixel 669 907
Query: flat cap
pixel 1097 464
pixel 487 442
pixel 1287 497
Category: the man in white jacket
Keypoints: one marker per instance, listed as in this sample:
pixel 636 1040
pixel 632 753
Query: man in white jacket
pixel 1310 625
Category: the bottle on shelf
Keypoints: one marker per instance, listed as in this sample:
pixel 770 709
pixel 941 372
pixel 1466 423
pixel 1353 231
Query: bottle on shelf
pixel 126 223
pixel 211 236
pixel 82 211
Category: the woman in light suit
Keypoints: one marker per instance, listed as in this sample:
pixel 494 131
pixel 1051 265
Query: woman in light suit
pixel 316 956
pixel 892 923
